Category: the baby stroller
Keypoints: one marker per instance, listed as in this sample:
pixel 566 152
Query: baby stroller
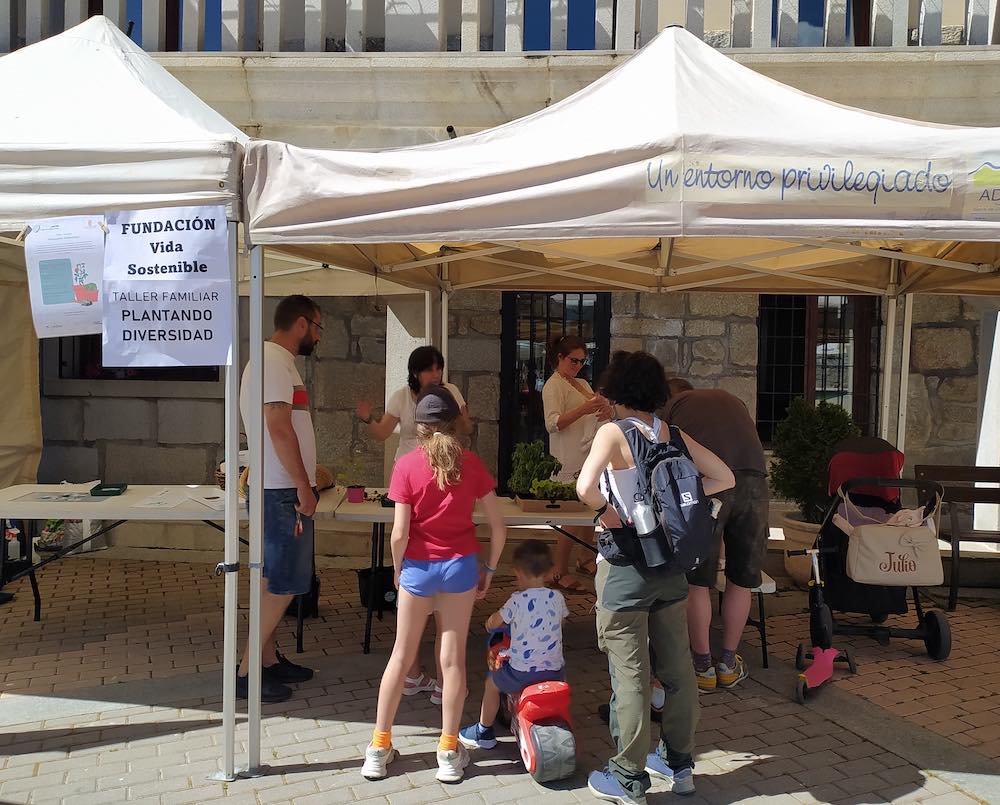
pixel 869 500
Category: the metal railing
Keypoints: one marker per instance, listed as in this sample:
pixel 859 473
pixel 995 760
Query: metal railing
pixel 502 25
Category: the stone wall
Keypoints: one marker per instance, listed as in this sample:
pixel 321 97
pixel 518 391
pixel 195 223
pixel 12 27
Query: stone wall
pixel 154 439
pixel 711 339
pixel 474 326
pixel 943 393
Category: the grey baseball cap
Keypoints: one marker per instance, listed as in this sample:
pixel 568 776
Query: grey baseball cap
pixel 435 405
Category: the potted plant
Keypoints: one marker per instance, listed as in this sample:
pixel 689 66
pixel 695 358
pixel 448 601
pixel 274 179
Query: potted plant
pixel 347 477
pixel 803 445
pixel 531 481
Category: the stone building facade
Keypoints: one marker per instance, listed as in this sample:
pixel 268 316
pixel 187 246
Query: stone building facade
pixel 709 338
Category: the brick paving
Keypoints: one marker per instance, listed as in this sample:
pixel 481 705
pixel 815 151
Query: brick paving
pixel 131 626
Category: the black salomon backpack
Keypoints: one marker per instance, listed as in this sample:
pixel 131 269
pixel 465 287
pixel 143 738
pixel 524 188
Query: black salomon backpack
pixel 670 483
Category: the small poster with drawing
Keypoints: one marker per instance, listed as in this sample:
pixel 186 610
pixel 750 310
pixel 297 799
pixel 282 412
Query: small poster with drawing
pixel 65 260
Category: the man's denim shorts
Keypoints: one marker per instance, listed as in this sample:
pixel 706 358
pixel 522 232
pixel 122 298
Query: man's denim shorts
pixel 288 559
pixel 428 577
pixel 511 681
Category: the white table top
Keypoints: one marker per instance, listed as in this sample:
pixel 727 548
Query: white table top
pixel 127 505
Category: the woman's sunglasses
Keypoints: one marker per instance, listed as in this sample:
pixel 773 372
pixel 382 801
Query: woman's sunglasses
pixel 578 361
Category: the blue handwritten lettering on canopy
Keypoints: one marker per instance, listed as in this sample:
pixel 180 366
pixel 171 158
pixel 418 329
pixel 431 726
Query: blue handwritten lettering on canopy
pixel 871 182
pixel 782 180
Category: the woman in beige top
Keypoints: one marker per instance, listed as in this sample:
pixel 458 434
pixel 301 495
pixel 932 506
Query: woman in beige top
pixel 572 414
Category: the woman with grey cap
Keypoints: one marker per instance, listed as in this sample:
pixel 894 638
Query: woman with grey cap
pixel 435 555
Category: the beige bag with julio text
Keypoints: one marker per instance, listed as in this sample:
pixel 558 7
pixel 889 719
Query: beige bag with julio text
pixel 892 555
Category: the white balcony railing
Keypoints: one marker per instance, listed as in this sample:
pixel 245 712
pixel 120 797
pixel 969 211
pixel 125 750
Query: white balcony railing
pixel 494 25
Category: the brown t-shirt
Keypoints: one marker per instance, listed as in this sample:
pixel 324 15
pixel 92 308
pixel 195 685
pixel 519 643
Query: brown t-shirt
pixel 720 421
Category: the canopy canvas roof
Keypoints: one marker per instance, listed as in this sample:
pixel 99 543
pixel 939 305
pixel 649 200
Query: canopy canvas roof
pixel 90 123
pixel 680 169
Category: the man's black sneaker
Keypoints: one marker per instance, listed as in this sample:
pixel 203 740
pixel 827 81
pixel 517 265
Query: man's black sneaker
pixel 271 691
pixel 284 670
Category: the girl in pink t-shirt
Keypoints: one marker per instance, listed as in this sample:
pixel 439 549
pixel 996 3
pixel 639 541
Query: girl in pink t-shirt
pixel 435 555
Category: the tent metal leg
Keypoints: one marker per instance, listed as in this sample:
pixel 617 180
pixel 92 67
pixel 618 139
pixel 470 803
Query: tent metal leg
pixel 255 429
pixel 904 372
pixel 428 318
pixel 889 340
pixel 444 331
pixel 230 568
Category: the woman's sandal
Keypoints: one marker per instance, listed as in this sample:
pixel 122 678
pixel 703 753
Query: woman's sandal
pixel 588 567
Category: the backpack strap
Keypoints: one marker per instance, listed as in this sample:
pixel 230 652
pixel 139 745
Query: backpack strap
pixel 641 448
pixel 677 441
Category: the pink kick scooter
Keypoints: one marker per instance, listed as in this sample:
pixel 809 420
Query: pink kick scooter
pixel 823 655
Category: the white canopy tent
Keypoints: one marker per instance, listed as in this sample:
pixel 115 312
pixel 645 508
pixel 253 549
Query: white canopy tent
pixel 679 170
pixel 90 123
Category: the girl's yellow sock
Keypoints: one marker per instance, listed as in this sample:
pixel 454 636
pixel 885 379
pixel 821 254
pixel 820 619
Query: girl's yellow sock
pixel 382 740
pixel 448 743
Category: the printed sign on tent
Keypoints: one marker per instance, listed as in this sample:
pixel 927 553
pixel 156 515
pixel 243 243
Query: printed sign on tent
pixel 65 260
pixel 167 288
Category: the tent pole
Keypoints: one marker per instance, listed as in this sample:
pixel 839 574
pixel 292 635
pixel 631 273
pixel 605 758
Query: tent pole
pixel 255 405
pixel 231 558
pixel 444 322
pixel 889 340
pixel 904 372
pixel 428 318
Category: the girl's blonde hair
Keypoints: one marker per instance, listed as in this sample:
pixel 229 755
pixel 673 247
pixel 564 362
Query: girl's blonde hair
pixel 444 452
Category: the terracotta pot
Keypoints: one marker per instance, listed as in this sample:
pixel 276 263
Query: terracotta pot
pixel 798 535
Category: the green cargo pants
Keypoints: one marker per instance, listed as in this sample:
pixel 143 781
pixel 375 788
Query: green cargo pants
pixel 642 615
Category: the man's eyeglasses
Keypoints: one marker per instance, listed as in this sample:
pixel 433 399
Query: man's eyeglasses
pixel 313 321
pixel 578 361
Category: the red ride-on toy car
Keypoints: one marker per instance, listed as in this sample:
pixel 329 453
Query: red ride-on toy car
pixel 540 721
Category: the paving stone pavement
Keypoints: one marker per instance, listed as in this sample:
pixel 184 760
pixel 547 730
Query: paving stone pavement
pixel 128 709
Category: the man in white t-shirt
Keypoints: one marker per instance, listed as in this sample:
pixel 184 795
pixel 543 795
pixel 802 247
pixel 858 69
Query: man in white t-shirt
pixel 290 495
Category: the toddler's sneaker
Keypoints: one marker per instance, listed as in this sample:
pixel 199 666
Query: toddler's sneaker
pixel 437 694
pixel 683 780
pixel 604 785
pixel 422 684
pixel 376 761
pixel 730 677
pixel 451 765
pixel 707 680
pixel 477 736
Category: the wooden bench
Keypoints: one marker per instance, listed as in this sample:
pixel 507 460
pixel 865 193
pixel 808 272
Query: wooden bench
pixel 759 623
pixel 960 487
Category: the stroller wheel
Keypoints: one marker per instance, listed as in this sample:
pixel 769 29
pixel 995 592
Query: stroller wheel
pixel 800 658
pixel 878 618
pixel 937 635
pixel 852 666
pixel 801 688
pixel 821 626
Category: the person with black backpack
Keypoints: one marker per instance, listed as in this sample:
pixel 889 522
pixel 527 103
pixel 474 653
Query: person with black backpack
pixel 651 486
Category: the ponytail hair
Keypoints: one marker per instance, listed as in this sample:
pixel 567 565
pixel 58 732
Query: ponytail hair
pixel 444 452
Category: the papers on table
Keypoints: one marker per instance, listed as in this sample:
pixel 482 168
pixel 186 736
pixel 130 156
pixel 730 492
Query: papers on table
pixel 172 497
pixel 66 493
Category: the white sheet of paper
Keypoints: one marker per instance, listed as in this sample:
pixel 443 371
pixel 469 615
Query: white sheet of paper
pixel 164 499
pixel 167 288
pixel 215 499
pixel 65 260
